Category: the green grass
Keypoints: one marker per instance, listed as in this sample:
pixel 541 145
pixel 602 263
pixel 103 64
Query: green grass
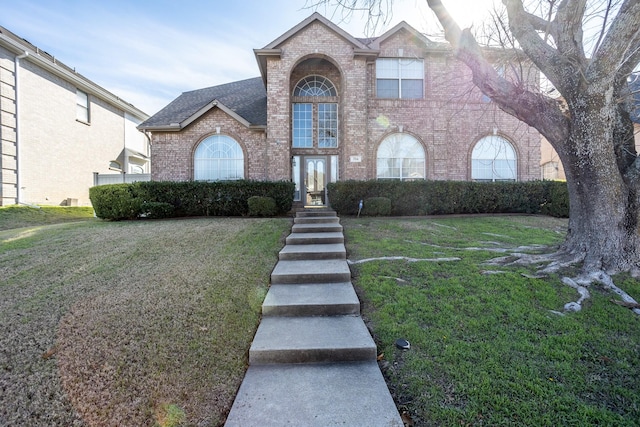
pixel 487 348
pixel 24 216
pixel 130 323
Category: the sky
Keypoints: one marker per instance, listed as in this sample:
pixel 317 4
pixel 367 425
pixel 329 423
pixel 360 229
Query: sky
pixel 148 52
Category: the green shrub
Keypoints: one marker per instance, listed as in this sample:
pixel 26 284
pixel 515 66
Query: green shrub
pixel 189 198
pixel 156 210
pixel 115 202
pixel 453 197
pixel 376 206
pixel 262 206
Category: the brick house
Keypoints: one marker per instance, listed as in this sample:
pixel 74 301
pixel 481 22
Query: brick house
pixel 58 129
pixel 329 107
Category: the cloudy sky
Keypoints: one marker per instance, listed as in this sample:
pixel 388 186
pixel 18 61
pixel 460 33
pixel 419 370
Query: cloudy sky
pixel 149 51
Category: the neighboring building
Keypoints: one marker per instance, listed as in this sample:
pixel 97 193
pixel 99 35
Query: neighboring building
pixel 58 129
pixel 330 107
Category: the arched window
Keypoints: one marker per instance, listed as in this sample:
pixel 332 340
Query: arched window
pixel 315 123
pixel 400 156
pixel 218 158
pixel 493 159
pixel 314 86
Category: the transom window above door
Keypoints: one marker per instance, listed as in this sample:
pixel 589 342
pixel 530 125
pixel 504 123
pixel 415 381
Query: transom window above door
pixel 315 122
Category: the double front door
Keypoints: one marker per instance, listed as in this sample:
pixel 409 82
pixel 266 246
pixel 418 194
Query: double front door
pixel 311 175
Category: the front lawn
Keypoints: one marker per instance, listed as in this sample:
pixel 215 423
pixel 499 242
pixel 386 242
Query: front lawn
pixel 487 344
pixel 136 323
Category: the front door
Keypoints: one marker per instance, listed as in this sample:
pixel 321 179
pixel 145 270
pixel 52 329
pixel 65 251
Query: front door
pixel 315 180
pixel 311 174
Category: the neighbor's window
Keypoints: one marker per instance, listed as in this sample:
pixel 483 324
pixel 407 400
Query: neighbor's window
pixel 218 158
pixel 493 159
pixel 82 106
pixel 400 78
pixel 551 170
pixel 400 156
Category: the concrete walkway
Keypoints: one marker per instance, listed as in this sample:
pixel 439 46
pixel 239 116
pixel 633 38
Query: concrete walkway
pixel 312 361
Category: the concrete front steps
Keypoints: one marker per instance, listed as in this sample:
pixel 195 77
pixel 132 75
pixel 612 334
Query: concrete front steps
pixel 312 360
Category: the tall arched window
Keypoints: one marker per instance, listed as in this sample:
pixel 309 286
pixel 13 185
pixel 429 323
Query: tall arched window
pixel 315 118
pixel 218 158
pixel 493 159
pixel 400 156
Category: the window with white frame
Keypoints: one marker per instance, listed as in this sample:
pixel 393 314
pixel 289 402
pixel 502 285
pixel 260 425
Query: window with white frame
pixel 314 121
pixel 400 156
pixel 82 106
pixel 400 78
pixel 493 159
pixel 218 158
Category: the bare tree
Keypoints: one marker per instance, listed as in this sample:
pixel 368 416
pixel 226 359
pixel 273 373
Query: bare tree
pixel 589 126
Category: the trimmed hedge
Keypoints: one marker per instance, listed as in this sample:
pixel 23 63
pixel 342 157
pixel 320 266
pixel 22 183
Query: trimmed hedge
pixel 376 206
pixel 262 206
pixel 416 198
pixel 163 199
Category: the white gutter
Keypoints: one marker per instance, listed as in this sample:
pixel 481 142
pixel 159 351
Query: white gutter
pixel 18 117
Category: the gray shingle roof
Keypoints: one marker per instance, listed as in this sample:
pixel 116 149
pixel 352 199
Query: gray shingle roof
pixel 246 98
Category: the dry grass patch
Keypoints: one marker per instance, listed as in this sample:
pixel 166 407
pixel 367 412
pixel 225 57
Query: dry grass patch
pixel 133 323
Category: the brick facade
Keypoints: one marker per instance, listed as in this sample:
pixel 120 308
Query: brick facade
pixel 447 122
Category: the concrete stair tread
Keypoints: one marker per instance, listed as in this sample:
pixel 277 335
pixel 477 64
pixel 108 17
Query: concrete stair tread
pixel 317 227
pixel 311 271
pixel 311 340
pixel 350 394
pixel 313 238
pixel 313 251
pixel 316 219
pixel 318 299
pixel 316 212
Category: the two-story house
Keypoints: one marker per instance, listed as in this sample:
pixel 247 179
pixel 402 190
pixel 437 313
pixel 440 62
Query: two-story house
pixel 58 130
pixel 328 106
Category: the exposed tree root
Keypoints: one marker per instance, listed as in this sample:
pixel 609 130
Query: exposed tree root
pixel 397 258
pixel 558 261
pixel 487 249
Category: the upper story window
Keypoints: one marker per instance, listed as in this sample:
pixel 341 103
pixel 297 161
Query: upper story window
pixel 400 78
pixel 314 86
pixel 315 124
pixel 493 159
pixel 82 106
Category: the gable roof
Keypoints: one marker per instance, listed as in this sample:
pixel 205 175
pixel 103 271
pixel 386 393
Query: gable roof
pixel 377 41
pixel 48 62
pixel 245 101
pixel 273 48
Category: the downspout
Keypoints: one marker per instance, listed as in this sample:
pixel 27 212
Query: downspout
pixel 18 117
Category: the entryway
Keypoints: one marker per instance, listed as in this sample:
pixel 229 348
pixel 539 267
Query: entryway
pixel 311 174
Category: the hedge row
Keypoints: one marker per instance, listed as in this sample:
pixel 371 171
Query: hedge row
pixel 163 199
pixel 452 197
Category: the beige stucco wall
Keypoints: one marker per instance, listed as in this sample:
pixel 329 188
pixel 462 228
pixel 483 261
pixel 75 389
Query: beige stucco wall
pixel 8 176
pixel 58 153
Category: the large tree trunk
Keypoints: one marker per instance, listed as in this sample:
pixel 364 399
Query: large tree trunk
pixel 603 223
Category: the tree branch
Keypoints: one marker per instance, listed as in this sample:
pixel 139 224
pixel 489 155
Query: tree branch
pixel 613 54
pixel 547 59
pixel 570 37
pixel 535 109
